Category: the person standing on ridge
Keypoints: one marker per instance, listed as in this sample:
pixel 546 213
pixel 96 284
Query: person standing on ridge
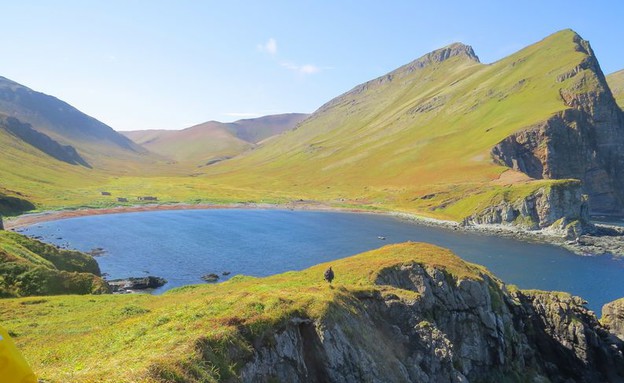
pixel 329 275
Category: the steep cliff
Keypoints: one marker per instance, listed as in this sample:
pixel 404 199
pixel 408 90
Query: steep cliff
pixel 424 319
pixel 613 317
pixel 408 312
pixel 584 142
pixel 560 208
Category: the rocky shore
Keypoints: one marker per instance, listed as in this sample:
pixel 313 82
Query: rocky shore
pixel 600 239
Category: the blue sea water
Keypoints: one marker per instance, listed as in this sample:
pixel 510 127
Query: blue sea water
pixel 183 245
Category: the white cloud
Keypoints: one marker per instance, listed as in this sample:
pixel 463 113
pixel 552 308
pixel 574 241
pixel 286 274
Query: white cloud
pixel 269 47
pixel 302 69
pixel 309 69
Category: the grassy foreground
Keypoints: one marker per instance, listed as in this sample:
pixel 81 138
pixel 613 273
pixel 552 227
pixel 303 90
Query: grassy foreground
pixel 183 334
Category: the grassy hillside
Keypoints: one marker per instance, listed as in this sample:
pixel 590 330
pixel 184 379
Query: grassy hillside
pixel 616 83
pixel 184 334
pixel 213 140
pixel 198 144
pixel 97 143
pixel 419 138
pixel 29 267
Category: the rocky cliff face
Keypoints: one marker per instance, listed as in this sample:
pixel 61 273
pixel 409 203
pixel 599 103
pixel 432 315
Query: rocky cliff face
pixel 561 208
pixel 613 317
pixel 424 325
pixel 584 142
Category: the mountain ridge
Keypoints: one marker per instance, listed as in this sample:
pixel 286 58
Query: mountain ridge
pixel 63 122
pixel 212 141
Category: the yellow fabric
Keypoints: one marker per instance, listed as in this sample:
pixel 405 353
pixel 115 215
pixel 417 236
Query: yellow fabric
pixel 13 366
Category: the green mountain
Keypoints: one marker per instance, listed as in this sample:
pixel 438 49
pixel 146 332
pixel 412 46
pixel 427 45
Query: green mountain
pixel 95 142
pixel 616 83
pixel 450 137
pixel 213 141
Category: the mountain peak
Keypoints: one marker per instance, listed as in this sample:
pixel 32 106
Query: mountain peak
pixel 455 49
pixel 438 56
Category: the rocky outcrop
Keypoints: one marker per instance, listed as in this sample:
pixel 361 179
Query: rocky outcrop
pixel 425 325
pixel 561 208
pixel 584 142
pixel 613 317
pixel 128 285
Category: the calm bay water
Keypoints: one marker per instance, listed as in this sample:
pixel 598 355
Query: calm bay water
pixel 183 245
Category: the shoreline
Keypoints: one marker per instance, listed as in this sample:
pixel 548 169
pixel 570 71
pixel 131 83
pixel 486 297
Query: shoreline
pixel 585 245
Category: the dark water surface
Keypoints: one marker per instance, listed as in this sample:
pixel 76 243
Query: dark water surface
pixel 183 245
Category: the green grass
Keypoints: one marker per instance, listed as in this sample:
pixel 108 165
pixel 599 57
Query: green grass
pixel 116 338
pixel 616 83
pixel 29 267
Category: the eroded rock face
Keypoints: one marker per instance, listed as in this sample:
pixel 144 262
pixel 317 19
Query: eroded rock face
pixel 430 327
pixel 560 208
pixel 584 142
pixel 613 317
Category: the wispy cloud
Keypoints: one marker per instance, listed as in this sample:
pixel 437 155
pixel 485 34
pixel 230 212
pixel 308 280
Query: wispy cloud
pixel 269 47
pixel 302 69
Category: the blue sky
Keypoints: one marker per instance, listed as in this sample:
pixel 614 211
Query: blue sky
pixel 172 64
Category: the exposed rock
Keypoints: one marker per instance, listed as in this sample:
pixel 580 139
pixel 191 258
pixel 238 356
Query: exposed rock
pixel 585 142
pixel 427 326
pixel 613 317
pixel 212 277
pixel 561 208
pixel 138 283
pixel 440 55
pixel 96 252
